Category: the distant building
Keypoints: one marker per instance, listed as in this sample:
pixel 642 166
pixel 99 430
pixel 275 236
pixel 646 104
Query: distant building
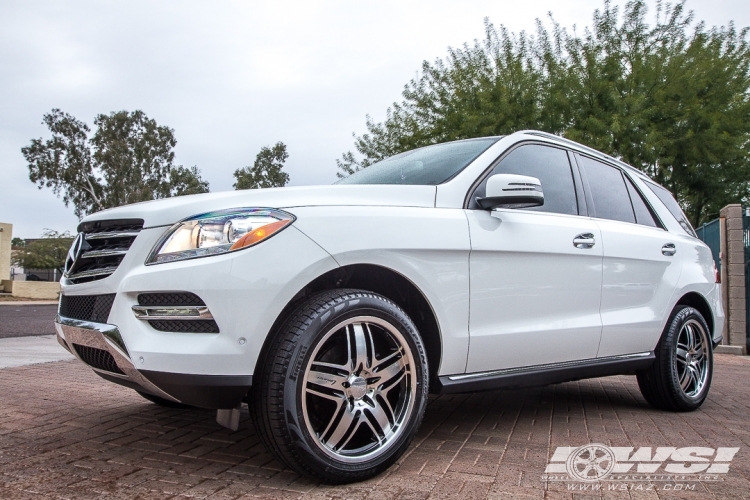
pixel 6 236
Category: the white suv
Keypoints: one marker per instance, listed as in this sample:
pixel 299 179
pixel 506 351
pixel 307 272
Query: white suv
pixel 334 310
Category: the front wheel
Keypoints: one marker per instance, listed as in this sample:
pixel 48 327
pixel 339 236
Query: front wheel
pixel 343 387
pixel 680 377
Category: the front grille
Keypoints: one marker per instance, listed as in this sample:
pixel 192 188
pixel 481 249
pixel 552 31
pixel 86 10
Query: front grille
pixel 87 307
pixel 173 299
pixel 170 299
pixel 97 358
pixel 103 246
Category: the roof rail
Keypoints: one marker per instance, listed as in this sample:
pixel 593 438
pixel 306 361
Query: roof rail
pixel 591 151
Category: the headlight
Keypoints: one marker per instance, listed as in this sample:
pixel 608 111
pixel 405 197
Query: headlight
pixel 218 232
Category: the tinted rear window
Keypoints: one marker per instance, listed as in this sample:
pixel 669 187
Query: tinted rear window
pixel 608 190
pixel 428 166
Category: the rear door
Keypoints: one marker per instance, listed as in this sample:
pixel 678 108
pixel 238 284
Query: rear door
pixel 641 267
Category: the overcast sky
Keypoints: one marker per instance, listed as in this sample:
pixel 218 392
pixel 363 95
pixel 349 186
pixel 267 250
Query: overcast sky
pixel 231 77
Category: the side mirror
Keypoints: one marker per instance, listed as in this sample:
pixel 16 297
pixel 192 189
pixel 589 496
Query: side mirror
pixel 512 191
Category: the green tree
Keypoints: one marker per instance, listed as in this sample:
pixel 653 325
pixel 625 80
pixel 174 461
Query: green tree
pixel 671 97
pixel 48 252
pixel 17 242
pixel 267 170
pixel 128 159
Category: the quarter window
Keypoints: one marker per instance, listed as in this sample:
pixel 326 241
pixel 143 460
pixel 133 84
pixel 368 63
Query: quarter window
pixel 608 191
pixel 549 165
pixel 643 214
pixel 673 207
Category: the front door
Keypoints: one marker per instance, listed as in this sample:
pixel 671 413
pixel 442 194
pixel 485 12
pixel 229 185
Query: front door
pixel 535 273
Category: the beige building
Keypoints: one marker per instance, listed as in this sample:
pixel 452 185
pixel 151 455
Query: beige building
pixel 22 289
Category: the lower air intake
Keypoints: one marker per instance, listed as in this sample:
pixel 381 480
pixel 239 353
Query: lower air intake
pixel 97 358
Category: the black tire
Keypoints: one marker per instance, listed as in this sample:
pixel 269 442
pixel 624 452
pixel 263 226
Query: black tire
pixel 282 397
pixel 660 383
pixel 161 401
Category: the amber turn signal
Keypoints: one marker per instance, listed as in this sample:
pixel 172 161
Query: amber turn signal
pixel 259 234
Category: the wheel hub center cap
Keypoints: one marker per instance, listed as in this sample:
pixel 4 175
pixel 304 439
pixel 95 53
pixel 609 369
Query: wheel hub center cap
pixel 357 387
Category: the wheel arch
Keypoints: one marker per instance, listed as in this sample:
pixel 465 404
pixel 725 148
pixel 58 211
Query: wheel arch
pixel 386 282
pixel 697 301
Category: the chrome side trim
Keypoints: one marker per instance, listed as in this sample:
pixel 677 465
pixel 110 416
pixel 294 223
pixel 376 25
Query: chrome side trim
pixel 106 337
pixel 112 234
pixel 172 312
pixel 564 364
pixel 94 272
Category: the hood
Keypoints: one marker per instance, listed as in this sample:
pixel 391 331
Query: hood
pixel 170 210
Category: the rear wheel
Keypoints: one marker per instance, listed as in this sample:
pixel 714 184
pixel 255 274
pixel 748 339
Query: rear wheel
pixel 343 387
pixel 680 377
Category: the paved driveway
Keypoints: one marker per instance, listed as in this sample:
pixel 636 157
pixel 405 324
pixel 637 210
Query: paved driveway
pixel 65 433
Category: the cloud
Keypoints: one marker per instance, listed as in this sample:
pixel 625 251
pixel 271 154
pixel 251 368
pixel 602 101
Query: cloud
pixel 231 77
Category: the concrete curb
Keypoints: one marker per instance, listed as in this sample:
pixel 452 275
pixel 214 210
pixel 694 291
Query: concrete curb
pixel 27 302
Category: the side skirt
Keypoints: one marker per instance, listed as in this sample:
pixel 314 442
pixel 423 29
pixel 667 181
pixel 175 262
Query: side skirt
pixel 539 375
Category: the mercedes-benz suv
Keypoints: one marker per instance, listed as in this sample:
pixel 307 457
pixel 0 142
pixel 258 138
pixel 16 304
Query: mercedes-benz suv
pixel 333 311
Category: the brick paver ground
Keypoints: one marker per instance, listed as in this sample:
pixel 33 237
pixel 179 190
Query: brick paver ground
pixel 65 433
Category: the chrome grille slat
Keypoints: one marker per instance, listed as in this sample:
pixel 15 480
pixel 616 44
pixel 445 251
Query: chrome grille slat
pixel 92 254
pixel 111 235
pixel 105 271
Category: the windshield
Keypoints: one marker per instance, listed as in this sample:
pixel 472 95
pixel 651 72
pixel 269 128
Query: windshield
pixel 428 166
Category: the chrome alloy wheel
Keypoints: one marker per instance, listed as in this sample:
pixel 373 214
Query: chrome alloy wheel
pixel 359 389
pixel 691 359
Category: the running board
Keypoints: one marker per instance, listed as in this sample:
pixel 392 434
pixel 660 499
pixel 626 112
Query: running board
pixel 539 375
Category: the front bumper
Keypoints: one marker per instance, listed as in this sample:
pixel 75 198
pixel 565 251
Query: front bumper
pixel 205 391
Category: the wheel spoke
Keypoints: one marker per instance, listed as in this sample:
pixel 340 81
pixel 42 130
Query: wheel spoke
pixel 360 355
pixel 327 380
pixel 378 418
pixel 681 355
pixel 386 388
pixel 387 360
pixel 343 430
pixel 698 356
pixel 690 336
pixel 687 377
pixel 388 373
pixel 382 400
pixel 333 396
pixel 343 369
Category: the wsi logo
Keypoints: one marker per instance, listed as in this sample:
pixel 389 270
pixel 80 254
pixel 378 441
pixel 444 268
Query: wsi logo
pixel 598 462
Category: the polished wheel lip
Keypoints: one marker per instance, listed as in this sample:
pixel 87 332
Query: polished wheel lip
pixel 691 358
pixel 359 404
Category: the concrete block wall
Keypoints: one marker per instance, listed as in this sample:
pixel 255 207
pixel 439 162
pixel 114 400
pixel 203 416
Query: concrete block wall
pixel 6 237
pixel 36 290
pixel 733 280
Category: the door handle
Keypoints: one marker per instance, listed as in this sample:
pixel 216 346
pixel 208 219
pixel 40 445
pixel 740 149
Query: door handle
pixel 669 249
pixel 584 240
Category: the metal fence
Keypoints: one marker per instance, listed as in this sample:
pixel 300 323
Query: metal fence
pixel 710 233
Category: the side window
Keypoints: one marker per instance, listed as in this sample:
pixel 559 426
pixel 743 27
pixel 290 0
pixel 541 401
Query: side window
pixel 643 214
pixel 608 190
pixel 551 166
pixel 673 207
